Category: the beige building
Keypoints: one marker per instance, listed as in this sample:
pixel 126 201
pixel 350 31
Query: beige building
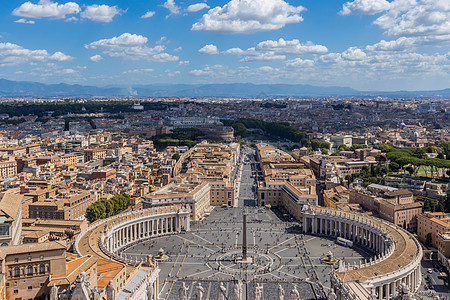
pixel 28 268
pixel 66 205
pixel 336 197
pixel 94 154
pixel 10 219
pixel 396 206
pixel 222 193
pixel 432 224
pixel 8 169
pixel 195 195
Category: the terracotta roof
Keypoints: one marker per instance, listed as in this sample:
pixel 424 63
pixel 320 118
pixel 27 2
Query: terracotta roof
pixel 10 205
pixel 35 247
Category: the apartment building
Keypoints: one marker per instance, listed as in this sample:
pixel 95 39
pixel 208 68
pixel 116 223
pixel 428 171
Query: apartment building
pixel 195 195
pixel 66 205
pixel 28 268
pixel 432 224
pixel 396 206
pixel 336 197
pixel 8 168
pixel 94 154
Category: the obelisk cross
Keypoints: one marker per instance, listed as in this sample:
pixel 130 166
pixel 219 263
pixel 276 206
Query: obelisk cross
pixel 244 238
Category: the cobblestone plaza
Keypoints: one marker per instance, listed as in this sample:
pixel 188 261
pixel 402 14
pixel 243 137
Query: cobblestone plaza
pixel 280 255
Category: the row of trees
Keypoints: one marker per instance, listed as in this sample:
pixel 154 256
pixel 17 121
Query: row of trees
pixel 105 208
pixel 274 129
pixel 413 158
pixel 62 108
pixel 178 137
pixel 372 174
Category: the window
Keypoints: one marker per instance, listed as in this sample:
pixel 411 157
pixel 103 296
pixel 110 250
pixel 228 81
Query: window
pixel 16 272
pixel 16 260
pixel 30 287
pixel 42 257
pixel 42 268
pixel 30 270
pixel 29 258
pixel 16 291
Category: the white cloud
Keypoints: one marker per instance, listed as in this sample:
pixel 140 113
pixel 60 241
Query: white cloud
pixel 209 49
pixel 234 51
pixel 249 16
pixel 178 49
pixel 59 56
pixel 365 7
pixel 277 50
pixel 131 46
pixel 68 71
pixel 138 71
pixel 148 14
pixel 96 58
pixel 298 62
pixel 353 54
pixel 183 62
pixel 162 40
pixel 428 21
pixel 197 7
pixel 172 7
pixel 46 9
pixel 291 47
pixel 24 21
pixel 101 13
pixel 401 44
pixel 12 54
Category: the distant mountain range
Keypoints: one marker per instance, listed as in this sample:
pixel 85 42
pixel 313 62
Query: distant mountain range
pixel 35 89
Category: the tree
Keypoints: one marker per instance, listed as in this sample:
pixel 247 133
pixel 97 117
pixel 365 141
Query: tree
pixel 356 146
pixel 394 166
pixel 410 169
pixel 240 130
pixel 105 208
pixel 176 156
pixel 324 151
pixel 342 147
pixel 446 149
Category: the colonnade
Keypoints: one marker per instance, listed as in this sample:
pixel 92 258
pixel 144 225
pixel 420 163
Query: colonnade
pixel 357 229
pixel 373 234
pixel 126 231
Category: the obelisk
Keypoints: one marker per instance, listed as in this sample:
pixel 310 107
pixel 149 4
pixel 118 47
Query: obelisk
pixel 244 238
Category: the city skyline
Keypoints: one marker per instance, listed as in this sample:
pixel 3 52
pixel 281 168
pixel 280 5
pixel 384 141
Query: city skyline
pixel 365 45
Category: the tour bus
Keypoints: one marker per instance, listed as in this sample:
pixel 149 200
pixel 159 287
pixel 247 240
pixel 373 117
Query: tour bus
pixel 344 242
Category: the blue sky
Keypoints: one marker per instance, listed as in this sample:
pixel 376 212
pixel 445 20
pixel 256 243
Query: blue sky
pixel 364 44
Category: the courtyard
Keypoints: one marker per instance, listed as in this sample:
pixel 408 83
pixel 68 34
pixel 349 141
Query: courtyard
pixel 280 255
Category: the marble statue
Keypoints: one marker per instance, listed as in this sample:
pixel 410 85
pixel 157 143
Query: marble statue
pixel 237 291
pixel 182 292
pixel 96 296
pixel 54 292
pixel 199 290
pixel 258 291
pixel 280 292
pixel 221 292
pixel 150 291
pixel 331 295
pixel 295 295
pixel 110 293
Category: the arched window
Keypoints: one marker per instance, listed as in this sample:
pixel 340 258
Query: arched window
pixel 30 270
pixel 42 268
pixel 16 272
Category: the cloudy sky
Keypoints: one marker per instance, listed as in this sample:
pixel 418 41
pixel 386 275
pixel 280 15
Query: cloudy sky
pixel 363 44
